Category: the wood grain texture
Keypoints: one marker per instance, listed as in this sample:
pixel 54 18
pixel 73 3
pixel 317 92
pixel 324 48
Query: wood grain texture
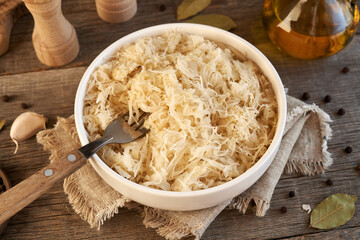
pixel 6 183
pixel 116 11
pixel 346 234
pixel 54 38
pixel 52 91
pixel 10 11
pixel 25 192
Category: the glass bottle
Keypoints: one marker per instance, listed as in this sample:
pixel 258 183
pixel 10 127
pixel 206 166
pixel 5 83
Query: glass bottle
pixel 309 29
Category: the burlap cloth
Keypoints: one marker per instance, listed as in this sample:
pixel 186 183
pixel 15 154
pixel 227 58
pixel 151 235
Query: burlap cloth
pixel 303 150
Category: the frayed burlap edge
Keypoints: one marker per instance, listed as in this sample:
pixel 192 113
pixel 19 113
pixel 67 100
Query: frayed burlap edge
pixel 319 166
pixel 49 139
pixel 165 227
pixel 176 225
pixel 78 202
pixel 242 204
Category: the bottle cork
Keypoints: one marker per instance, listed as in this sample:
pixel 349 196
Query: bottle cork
pixel 116 11
pixel 54 38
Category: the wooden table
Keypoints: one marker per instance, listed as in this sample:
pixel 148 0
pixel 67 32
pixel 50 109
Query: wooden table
pixel 51 91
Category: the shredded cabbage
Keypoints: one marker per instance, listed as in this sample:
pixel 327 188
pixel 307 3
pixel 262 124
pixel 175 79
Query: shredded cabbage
pixel 212 115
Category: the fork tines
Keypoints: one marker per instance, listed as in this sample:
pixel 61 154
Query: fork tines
pixel 139 122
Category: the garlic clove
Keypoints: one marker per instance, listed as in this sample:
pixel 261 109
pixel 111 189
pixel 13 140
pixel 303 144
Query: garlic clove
pixel 25 126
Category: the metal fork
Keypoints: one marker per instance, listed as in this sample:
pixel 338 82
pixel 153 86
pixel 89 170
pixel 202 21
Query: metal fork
pixel 18 197
pixel 119 131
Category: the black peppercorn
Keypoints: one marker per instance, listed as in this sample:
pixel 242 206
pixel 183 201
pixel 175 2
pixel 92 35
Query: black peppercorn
pixel 327 98
pixel 283 209
pixel 305 96
pixel 292 194
pixel 5 98
pixel 341 111
pixel 24 106
pixel 162 8
pixel 329 182
pixel 345 70
pixel 348 149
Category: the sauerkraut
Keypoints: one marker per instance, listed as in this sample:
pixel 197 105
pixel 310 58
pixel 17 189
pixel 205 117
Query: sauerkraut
pixel 212 115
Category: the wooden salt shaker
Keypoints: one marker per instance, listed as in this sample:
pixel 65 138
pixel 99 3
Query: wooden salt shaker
pixel 116 11
pixel 54 38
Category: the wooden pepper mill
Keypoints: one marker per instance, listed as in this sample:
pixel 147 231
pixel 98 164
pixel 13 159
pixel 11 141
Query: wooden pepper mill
pixel 116 11
pixel 10 11
pixel 54 38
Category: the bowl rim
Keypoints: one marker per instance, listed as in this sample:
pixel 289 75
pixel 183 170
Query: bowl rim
pixel 105 55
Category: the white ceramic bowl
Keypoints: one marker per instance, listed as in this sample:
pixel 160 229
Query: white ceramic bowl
pixel 184 201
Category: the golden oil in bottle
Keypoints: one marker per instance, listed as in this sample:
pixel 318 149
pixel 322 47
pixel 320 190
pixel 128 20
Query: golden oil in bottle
pixel 309 29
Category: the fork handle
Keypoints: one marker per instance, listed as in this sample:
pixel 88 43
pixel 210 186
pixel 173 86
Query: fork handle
pixel 21 195
pixel 91 148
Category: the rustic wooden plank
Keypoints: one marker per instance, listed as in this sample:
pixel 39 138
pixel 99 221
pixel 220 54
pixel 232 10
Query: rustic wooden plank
pixel 52 93
pixel 44 218
pixel 51 214
pixel 30 189
pixel 94 34
pixel 55 211
pixel 309 190
pixel 56 220
pixel 346 234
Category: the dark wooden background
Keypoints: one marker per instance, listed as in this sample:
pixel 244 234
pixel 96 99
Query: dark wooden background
pixel 51 91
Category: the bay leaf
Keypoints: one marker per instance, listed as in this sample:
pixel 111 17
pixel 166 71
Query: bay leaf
pixel 334 211
pixel 188 8
pixel 215 20
pixel 2 123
